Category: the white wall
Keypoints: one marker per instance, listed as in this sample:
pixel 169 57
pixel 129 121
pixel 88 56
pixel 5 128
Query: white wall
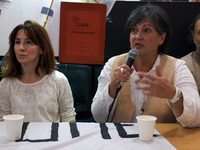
pixel 17 11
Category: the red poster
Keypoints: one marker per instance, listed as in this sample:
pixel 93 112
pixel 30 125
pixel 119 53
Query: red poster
pixel 82 33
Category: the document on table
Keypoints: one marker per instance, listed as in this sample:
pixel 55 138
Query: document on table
pixel 82 136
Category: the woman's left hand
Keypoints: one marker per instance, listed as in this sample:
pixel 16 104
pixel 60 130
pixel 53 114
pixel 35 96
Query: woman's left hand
pixel 155 85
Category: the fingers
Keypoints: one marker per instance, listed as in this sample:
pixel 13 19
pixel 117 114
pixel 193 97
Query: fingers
pixel 158 73
pixel 147 83
pixel 146 89
pixel 146 75
pixel 122 70
pixel 154 85
pixel 122 73
pixel 144 81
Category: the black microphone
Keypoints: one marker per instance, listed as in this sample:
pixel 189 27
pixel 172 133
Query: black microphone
pixel 132 55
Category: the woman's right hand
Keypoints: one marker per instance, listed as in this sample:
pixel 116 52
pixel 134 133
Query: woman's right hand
pixel 122 74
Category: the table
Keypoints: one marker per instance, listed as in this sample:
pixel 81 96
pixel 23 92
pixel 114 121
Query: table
pixel 101 136
pixel 180 137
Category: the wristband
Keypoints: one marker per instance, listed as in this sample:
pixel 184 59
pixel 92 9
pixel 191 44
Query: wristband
pixel 177 96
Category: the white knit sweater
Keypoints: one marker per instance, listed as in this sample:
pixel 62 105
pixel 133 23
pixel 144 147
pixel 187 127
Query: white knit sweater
pixel 49 99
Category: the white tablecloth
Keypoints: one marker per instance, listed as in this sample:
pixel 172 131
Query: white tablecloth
pixel 81 136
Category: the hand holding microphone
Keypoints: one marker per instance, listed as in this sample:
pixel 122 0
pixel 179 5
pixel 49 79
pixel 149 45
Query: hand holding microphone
pixel 132 55
pixel 122 73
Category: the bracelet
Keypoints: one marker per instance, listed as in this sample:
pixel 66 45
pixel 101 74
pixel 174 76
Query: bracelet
pixel 177 96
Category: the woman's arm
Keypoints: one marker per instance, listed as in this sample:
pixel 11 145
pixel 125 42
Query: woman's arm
pixel 190 101
pixel 66 101
pixel 102 100
pixel 5 106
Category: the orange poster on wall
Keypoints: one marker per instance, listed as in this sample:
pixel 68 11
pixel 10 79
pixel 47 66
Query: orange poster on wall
pixel 82 33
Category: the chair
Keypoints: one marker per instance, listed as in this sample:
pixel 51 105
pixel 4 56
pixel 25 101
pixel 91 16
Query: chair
pixel 81 82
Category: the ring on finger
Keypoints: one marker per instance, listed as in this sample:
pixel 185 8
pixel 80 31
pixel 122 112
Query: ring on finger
pixel 122 70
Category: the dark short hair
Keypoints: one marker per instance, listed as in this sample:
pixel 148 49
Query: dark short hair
pixel 191 29
pixel 157 16
pixel 39 36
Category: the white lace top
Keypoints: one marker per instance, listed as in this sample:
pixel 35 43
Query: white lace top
pixel 49 99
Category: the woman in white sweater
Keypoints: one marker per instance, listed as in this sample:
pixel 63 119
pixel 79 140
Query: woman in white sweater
pixel 31 84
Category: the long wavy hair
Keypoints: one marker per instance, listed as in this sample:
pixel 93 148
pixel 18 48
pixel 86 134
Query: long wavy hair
pixel 39 36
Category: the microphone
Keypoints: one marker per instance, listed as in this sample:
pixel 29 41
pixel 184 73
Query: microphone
pixel 132 55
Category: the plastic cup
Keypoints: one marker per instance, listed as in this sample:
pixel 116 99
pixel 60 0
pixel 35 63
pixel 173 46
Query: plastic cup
pixel 146 125
pixel 13 126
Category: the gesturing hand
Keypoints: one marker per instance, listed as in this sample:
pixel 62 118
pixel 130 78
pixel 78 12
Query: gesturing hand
pixel 155 85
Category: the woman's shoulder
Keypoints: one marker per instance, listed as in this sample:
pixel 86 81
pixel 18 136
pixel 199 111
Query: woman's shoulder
pixel 170 59
pixel 57 75
pixel 8 80
pixel 167 57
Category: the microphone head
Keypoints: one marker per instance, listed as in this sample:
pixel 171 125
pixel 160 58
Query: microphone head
pixel 133 53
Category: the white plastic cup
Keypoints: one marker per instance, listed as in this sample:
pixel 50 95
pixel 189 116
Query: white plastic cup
pixel 146 125
pixel 13 126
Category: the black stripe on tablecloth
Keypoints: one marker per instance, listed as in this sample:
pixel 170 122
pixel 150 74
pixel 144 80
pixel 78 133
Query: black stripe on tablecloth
pixel 54 131
pixel 73 129
pixel 24 128
pixel 104 131
pixel 54 134
pixel 122 132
